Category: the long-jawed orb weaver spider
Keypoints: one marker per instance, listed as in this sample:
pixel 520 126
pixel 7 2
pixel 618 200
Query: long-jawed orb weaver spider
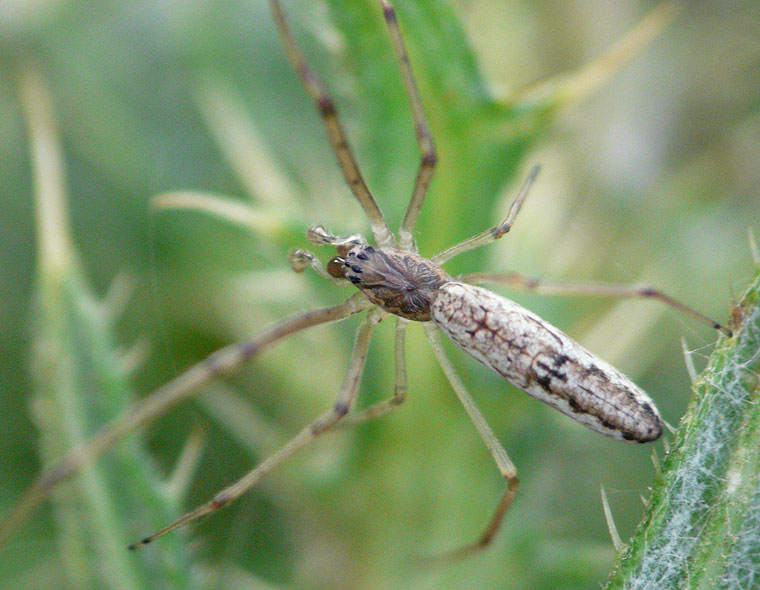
pixel 395 280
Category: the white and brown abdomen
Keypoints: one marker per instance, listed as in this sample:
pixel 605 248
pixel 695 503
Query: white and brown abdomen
pixel 544 362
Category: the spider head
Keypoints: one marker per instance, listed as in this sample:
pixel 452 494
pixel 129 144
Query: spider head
pixel 400 282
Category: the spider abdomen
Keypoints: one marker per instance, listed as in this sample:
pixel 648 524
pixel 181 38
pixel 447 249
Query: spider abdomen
pixel 544 362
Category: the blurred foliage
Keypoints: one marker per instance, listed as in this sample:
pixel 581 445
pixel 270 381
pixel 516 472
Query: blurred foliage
pixel 80 385
pixel 652 179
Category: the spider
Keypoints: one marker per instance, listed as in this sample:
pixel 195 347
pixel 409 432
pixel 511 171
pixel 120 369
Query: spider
pixel 394 279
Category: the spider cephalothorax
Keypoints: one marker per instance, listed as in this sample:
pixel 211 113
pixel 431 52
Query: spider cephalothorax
pixel 402 283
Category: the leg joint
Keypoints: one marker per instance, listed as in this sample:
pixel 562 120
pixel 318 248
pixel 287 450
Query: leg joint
pixel 341 409
pixel 429 158
pixel 389 12
pixel 326 106
pixel 219 501
pixel 649 292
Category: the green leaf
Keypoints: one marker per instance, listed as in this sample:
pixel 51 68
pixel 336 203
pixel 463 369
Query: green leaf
pixel 701 529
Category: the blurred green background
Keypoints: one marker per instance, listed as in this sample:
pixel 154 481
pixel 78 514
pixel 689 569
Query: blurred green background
pixel 654 177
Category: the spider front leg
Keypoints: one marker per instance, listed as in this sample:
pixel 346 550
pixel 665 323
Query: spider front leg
pixel 343 404
pixel 421 131
pixel 496 232
pixel 519 281
pixel 329 113
pixel 166 397
pixel 503 462
pixel 522 282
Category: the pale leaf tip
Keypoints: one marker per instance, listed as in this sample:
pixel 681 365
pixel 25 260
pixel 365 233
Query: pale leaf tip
pixel 611 528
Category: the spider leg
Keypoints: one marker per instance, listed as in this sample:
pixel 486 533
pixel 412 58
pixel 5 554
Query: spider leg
pixel 319 235
pixel 519 281
pixel 493 234
pixel 504 463
pixel 343 403
pixel 166 397
pixel 301 259
pixel 327 110
pixel 399 391
pixel 421 131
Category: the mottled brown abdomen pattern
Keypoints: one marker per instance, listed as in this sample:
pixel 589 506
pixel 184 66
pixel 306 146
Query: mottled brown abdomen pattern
pixel 544 362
